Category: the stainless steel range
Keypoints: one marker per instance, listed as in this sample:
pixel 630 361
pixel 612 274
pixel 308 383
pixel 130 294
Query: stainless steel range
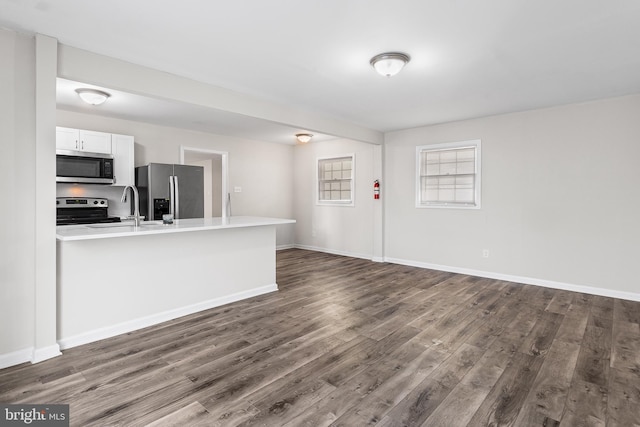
pixel 82 210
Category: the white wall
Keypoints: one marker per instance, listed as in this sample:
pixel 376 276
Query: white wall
pixel 262 169
pixel 17 189
pixel 339 229
pixel 560 197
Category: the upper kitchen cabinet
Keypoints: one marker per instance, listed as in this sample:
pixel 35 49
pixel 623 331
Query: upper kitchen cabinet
pixel 83 140
pixel 123 168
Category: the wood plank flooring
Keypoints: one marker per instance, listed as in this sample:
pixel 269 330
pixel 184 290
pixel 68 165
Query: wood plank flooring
pixel 348 342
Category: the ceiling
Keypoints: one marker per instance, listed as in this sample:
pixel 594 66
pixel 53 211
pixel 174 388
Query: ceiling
pixel 129 106
pixel 469 58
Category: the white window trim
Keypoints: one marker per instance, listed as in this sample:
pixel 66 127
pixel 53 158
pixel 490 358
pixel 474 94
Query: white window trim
pixel 478 176
pixel 353 181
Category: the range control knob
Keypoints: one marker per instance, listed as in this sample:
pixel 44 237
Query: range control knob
pixel 102 202
pixel 95 202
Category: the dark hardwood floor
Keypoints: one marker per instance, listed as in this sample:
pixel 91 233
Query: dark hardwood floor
pixel 348 342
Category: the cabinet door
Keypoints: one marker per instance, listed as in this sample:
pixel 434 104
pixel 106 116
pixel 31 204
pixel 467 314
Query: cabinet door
pixel 67 139
pixel 123 161
pixel 95 142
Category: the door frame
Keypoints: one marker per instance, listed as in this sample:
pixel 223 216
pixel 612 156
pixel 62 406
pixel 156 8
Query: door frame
pixel 225 171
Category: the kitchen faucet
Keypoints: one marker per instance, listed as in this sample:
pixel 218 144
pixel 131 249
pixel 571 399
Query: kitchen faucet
pixel 136 203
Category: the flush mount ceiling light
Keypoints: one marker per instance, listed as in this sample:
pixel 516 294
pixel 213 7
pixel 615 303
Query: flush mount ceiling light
pixel 303 138
pixel 93 96
pixel 390 63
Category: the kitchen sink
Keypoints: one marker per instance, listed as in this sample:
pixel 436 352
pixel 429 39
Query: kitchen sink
pixel 130 225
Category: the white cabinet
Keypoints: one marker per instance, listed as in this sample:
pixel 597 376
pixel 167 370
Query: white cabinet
pixel 123 161
pixel 83 140
pixel 95 142
pixel 67 139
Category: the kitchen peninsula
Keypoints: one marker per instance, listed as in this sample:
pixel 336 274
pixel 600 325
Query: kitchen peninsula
pixel 115 278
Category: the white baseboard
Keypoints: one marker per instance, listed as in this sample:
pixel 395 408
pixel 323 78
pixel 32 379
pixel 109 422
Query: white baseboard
pixel 144 322
pixel 521 279
pixel 16 357
pixel 40 354
pixel 333 252
pixel 283 247
pixel 31 354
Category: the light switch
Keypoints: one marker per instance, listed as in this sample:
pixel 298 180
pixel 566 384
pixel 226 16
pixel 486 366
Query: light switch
pixel 237 189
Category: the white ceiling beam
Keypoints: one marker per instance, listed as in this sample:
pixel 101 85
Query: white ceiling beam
pixel 81 65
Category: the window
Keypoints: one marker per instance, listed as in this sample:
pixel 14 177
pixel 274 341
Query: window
pixel 448 175
pixel 335 180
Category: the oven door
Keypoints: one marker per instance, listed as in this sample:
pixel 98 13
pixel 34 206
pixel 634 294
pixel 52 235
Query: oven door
pixel 81 167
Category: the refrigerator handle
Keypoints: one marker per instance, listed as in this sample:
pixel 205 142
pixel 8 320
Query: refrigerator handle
pixel 177 199
pixel 172 195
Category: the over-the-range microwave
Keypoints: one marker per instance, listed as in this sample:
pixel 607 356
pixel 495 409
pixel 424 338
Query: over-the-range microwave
pixel 83 167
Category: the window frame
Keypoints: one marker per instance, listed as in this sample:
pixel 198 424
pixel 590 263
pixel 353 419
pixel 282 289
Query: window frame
pixel 474 143
pixel 352 180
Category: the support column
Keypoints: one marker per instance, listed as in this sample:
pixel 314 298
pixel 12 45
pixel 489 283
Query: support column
pixel 45 334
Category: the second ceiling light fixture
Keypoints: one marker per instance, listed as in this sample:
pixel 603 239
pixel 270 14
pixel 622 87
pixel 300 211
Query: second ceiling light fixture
pixel 390 63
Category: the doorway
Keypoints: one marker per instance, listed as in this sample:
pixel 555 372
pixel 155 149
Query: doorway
pixel 215 164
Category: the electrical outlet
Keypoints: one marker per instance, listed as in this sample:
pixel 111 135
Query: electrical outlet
pixel 485 253
pixel 237 189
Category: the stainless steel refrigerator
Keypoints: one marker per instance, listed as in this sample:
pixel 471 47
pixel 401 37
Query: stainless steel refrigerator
pixel 170 189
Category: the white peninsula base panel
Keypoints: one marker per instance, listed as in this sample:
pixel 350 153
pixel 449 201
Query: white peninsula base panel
pixel 109 286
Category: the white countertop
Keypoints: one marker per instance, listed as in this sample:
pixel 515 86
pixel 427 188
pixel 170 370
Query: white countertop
pixel 127 229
